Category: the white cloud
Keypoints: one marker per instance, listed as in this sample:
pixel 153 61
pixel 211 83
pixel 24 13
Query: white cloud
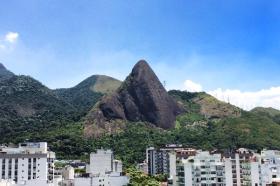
pixel 11 37
pixel 243 99
pixel 248 100
pixel 192 86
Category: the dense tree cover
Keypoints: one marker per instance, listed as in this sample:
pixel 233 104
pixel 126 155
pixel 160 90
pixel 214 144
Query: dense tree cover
pixel 56 122
pixel 130 144
pixel 27 107
pixel 138 178
pixel 81 96
pixel 269 112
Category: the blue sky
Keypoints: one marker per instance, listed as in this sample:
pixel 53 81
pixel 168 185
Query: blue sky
pixel 214 43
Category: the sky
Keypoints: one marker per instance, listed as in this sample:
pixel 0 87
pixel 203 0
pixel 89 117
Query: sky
pixel 229 49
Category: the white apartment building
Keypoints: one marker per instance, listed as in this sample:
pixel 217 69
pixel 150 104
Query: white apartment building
pixel 103 162
pixel 203 169
pixel 103 170
pixel 270 166
pixel 28 164
pixel 242 169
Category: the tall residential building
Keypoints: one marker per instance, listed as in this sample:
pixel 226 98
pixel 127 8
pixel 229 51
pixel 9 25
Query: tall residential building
pixel 28 163
pixel 270 166
pixel 163 160
pixel 242 168
pixel 158 161
pixel 203 169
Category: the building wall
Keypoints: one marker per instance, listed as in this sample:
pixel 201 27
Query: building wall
pixel 270 168
pixel 100 181
pixel 172 166
pixel 23 169
pixel 255 173
pixel 157 161
pixel 204 169
pixel 188 174
pixel 101 161
pixel 228 171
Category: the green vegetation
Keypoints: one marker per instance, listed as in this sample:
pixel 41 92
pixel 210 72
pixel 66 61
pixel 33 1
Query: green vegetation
pixel 27 107
pixel 31 111
pixel 81 96
pixel 138 178
pixel 271 113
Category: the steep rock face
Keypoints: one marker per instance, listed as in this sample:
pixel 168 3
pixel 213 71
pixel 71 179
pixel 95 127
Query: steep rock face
pixel 4 73
pixel 141 97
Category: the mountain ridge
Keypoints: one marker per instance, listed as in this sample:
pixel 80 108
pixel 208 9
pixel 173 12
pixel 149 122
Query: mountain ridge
pixel 85 94
pixel 31 111
pixel 141 97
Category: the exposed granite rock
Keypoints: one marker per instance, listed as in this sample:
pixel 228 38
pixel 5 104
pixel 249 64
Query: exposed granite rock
pixel 141 97
pixel 4 73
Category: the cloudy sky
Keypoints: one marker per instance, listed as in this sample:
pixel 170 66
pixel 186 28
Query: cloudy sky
pixel 227 48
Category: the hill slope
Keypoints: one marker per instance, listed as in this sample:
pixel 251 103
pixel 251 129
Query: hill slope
pixel 30 110
pixel 27 106
pixel 84 95
pixel 269 112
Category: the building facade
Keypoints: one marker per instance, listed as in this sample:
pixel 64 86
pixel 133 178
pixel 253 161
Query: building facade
pixel 201 170
pixel 241 168
pixel 103 170
pixel 163 160
pixel 28 163
pixel 270 166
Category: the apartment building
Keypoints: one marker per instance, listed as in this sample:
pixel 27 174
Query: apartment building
pixel 202 169
pixel 103 170
pixel 270 167
pixel 27 164
pixel 157 160
pixel 163 160
pixel 242 168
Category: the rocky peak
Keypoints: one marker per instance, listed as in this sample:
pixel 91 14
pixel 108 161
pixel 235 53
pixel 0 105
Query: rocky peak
pixel 4 73
pixel 141 97
pixel 2 67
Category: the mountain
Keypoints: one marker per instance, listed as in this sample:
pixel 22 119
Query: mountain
pixel 269 112
pixel 141 97
pixel 223 126
pixel 202 107
pixel 84 95
pixel 27 106
pixel 4 73
pixel 127 117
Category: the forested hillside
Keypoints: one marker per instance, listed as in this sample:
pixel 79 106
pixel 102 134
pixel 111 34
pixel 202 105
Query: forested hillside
pixel 31 111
